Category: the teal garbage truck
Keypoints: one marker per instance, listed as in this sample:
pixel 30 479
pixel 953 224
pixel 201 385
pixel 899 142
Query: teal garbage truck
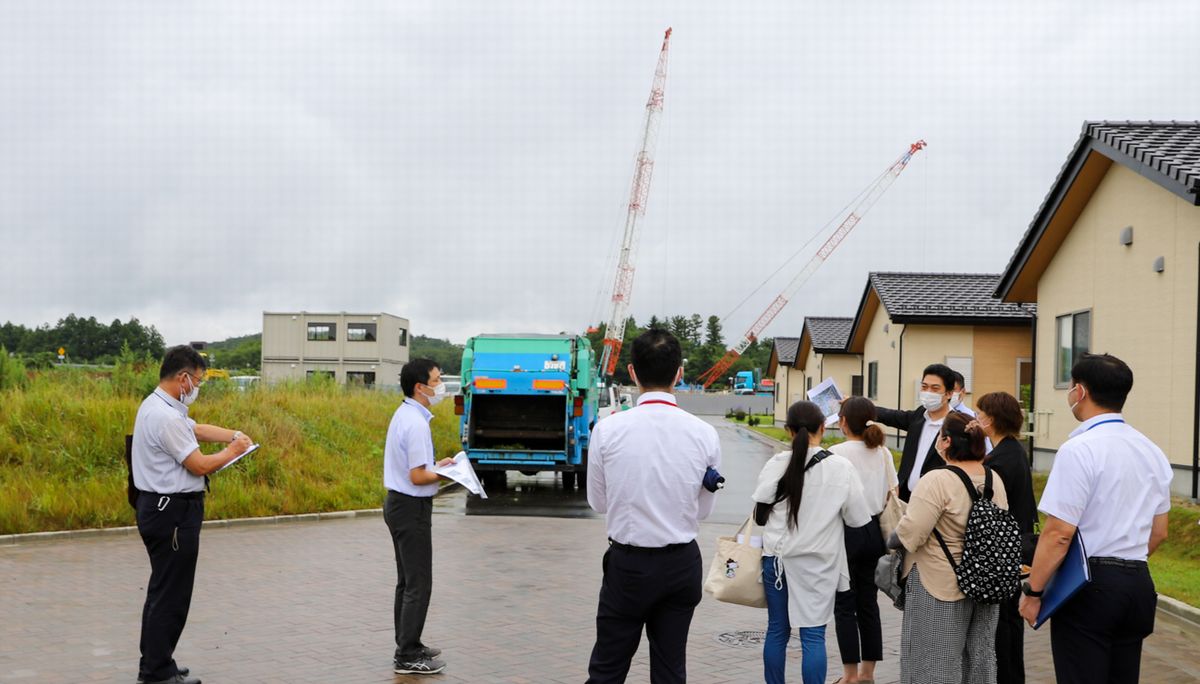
pixel 528 403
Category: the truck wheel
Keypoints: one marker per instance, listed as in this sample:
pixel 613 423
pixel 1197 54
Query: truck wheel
pixel 568 480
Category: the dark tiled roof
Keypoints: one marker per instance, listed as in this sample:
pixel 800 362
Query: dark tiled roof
pixel 941 296
pixel 1172 148
pixel 1165 152
pixel 786 348
pixel 828 334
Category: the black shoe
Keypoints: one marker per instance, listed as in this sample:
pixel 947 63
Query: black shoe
pixel 142 678
pixel 177 679
pixel 421 665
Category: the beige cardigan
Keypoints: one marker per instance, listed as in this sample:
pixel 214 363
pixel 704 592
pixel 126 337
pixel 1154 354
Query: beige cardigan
pixel 940 500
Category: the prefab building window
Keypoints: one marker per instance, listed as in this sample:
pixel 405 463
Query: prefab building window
pixel 322 332
pixel 873 380
pixel 1074 333
pixel 360 332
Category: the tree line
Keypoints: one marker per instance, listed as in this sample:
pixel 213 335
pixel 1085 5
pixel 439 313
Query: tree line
pixel 85 340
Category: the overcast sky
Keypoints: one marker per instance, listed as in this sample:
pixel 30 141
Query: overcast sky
pixel 467 164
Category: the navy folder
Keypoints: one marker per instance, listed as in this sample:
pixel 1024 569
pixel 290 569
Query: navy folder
pixel 1074 574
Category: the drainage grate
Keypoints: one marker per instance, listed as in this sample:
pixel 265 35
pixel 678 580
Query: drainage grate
pixel 752 638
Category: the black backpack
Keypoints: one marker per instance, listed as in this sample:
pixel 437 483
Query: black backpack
pixel 990 570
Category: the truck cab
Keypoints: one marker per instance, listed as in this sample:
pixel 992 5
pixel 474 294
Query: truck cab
pixel 528 404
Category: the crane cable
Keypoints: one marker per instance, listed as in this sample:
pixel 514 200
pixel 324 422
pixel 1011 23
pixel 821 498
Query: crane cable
pixel 820 231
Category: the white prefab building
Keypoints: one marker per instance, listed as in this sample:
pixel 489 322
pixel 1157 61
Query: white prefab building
pixel 367 349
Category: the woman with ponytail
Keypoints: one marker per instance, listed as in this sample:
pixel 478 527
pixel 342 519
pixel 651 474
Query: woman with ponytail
pixel 804 498
pixel 946 637
pixel 859 632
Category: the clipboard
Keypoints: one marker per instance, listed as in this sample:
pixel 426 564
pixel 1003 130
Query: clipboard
pixel 1073 574
pixel 253 448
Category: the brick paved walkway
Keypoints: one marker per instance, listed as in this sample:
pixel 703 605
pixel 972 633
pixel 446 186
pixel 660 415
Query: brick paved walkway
pixel 514 601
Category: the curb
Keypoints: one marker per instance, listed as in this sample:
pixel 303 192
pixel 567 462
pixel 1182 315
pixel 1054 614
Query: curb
pixel 1179 609
pixel 130 530
pixel 758 436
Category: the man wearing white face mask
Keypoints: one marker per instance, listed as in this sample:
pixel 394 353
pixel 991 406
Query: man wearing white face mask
pixel 168 472
pixel 922 426
pixel 408 461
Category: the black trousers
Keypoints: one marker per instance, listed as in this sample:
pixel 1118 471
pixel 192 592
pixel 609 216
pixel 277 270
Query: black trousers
pixel 170 529
pixel 651 588
pixel 1010 643
pixel 410 521
pixel 1097 636
pixel 856 612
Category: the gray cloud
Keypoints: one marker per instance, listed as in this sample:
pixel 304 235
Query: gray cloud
pixel 466 164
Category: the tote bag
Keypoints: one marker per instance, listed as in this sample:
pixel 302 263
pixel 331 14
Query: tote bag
pixel 893 510
pixel 735 575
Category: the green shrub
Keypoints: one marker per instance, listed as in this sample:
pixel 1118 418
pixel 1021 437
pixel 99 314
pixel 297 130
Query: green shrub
pixel 739 415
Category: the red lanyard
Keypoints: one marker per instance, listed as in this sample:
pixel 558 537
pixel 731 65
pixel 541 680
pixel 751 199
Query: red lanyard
pixel 658 401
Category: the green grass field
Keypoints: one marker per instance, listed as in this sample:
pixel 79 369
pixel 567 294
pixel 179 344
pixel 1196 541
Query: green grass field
pixel 62 446
pixel 1176 565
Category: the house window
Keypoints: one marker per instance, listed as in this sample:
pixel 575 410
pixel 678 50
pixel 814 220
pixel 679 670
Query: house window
pixel 319 374
pixel 873 380
pixel 322 332
pixel 360 332
pixel 808 385
pixel 403 337
pixel 360 378
pixel 1074 332
pixel 856 385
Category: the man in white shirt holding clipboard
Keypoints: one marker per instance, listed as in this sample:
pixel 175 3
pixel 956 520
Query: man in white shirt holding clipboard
pixel 1112 486
pixel 168 472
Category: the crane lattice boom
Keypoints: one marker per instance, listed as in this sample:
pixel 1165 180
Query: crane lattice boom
pixel 869 198
pixel 643 169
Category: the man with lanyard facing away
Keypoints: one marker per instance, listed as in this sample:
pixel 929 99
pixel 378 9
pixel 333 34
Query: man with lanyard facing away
pixel 169 471
pixel 1112 486
pixel 408 461
pixel 645 471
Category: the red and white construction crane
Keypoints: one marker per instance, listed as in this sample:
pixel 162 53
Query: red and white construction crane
pixel 869 197
pixel 614 334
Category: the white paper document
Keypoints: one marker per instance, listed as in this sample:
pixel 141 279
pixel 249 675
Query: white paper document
pixel 827 396
pixel 247 452
pixel 463 473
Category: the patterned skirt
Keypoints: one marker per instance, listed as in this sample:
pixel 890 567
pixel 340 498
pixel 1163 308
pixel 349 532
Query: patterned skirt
pixel 946 642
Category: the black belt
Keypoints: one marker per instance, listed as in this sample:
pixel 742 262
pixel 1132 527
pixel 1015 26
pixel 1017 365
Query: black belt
pixel 1117 562
pixel 177 495
pixel 649 549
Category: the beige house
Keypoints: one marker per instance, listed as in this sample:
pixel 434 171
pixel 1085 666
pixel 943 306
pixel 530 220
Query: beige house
pixel 822 355
pixel 367 349
pixel 789 380
pixel 1111 260
pixel 906 321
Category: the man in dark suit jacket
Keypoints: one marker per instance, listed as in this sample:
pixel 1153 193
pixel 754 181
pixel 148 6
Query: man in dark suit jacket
pixel 922 426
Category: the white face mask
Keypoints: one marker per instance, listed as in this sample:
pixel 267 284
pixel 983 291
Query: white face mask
pixel 188 398
pixel 1071 407
pixel 955 399
pixel 932 401
pixel 439 393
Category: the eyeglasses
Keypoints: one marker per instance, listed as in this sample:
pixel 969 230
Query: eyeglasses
pixel 197 381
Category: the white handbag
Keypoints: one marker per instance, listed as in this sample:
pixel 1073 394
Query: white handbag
pixel 735 575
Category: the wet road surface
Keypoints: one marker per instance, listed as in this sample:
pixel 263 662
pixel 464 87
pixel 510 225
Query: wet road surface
pixel 742 456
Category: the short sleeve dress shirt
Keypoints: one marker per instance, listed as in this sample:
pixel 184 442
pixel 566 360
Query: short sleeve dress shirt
pixel 163 436
pixel 1109 481
pixel 409 445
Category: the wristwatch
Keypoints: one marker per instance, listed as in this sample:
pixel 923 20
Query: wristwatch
pixel 1028 590
pixel 236 434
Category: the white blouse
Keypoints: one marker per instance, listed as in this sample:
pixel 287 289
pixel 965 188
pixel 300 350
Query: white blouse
pixel 875 467
pixel 813 554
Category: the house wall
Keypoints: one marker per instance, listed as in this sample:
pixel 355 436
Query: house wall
pixel 789 388
pixel 882 346
pixel 994 359
pixel 926 344
pixel 840 367
pixel 1147 319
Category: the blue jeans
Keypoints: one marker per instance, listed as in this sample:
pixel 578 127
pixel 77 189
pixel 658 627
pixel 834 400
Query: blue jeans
pixel 812 639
